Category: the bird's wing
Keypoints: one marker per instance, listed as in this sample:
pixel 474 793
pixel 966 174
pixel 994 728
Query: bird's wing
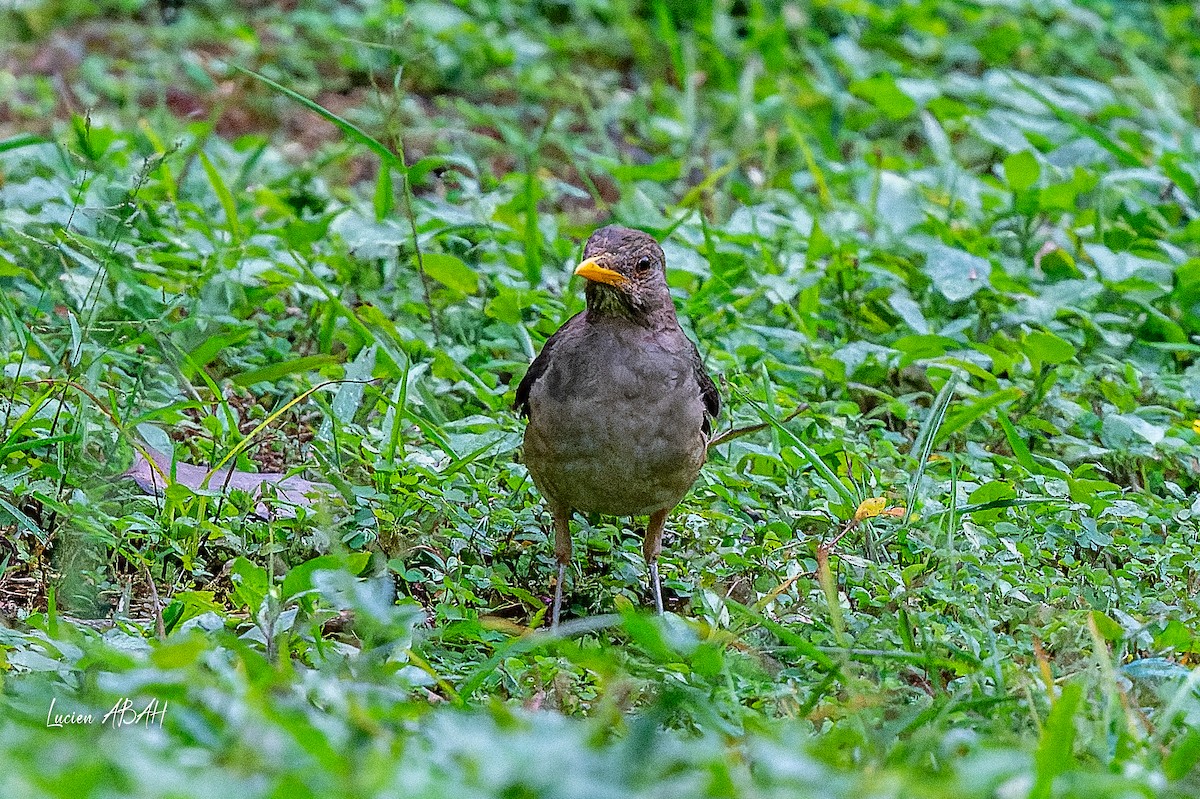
pixel 708 389
pixel 541 363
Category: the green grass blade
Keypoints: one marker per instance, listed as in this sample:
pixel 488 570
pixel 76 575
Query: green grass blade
pixel 352 131
pixel 926 436
pixel 810 455
pixel 224 196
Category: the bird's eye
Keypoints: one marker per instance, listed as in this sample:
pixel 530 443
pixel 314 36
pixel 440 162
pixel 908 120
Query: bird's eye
pixel 644 265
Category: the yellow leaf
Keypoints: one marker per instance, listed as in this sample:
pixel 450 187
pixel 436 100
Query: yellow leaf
pixel 502 625
pixel 870 508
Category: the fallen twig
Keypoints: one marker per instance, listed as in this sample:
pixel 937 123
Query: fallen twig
pixel 738 432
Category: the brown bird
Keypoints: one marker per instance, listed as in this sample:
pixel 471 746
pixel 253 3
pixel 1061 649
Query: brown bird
pixel 619 405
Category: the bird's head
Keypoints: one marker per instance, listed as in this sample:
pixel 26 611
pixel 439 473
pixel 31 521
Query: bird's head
pixel 626 275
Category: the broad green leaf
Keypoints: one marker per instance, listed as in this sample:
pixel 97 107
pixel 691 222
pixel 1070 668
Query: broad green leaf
pixel 509 303
pixel 348 399
pixel 1108 628
pixel 1116 267
pixel 1184 755
pixel 882 92
pixel 1057 264
pixel 299 578
pixel 993 491
pixel 958 275
pixel 451 271
pixel 1047 348
pixel 1021 170
pixel 1175 635
pixel 250 583
pixel 269 374
pixel 213 346
pixel 1122 430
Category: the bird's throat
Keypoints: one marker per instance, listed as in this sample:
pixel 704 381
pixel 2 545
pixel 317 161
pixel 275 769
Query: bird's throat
pixel 607 301
pixel 653 312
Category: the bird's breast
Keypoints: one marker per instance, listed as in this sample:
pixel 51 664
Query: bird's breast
pixel 616 424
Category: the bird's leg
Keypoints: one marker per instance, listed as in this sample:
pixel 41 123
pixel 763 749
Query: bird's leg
pixel 651 547
pixel 562 553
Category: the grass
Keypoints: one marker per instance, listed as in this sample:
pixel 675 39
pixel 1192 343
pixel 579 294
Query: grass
pixel 327 240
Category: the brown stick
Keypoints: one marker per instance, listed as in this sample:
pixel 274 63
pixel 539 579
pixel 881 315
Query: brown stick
pixel 738 432
pixel 157 605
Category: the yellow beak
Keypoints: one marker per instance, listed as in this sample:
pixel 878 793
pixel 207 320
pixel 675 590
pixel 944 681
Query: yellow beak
pixel 590 270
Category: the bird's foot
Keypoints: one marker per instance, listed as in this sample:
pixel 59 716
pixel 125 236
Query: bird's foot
pixel 558 594
pixel 656 585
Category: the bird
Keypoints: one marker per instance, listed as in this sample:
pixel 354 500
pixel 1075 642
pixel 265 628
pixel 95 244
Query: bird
pixel 619 405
